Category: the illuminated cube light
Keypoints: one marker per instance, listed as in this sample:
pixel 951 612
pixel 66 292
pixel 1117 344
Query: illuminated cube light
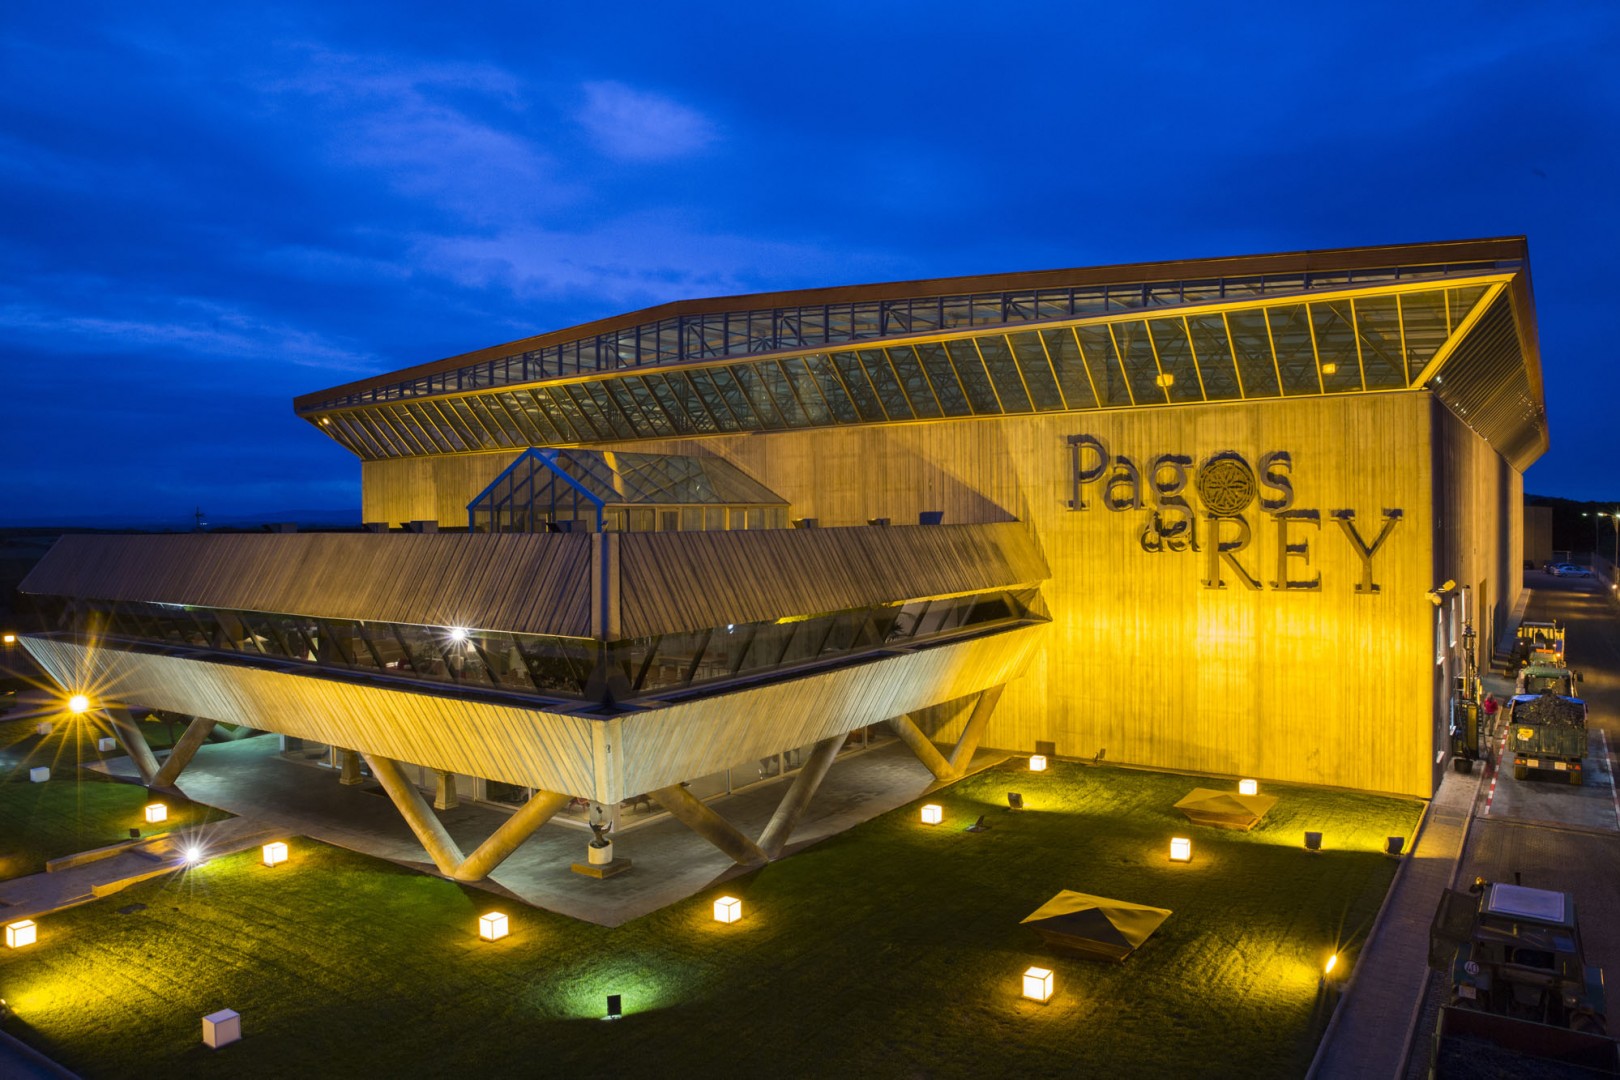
pixel 1038 984
pixel 222 1028
pixel 39 774
pixel 1037 763
pixel 9 639
pixel 21 933
pixel 1180 849
pixel 492 927
pixel 275 853
pixel 933 814
pixel 156 812
pixel 106 744
pixel 1313 841
pixel 727 909
pixel 1248 787
pixel 42 728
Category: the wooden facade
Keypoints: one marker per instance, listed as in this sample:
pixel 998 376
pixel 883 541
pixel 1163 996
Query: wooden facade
pixel 1331 685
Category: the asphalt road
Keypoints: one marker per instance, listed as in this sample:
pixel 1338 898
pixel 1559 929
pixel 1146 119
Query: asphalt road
pixel 1547 834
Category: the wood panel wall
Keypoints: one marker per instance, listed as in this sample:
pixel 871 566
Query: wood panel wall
pixel 527 747
pixel 678 581
pixel 526 583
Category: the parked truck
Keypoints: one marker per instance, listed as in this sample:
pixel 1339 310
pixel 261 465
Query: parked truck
pixel 1547 732
pixel 1543 640
pixel 1523 1000
pixel 1543 678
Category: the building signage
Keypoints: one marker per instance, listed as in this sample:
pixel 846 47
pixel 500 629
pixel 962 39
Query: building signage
pixel 1234 498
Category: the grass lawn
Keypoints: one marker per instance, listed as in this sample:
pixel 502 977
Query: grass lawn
pixel 891 950
pixel 75 810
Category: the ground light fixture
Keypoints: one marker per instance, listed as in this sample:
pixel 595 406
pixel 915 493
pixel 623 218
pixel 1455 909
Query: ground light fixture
pixel 9 639
pixel 932 813
pixel 615 1007
pixel 727 909
pixel 1038 984
pixel 1248 787
pixel 1394 845
pixel 78 704
pixel 1037 763
pixel 1180 849
pixel 1015 801
pixel 1313 841
pixel 493 926
pixel 156 812
pixel 275 853
pixel 194 855
pixel 1327 968
pixel 23 932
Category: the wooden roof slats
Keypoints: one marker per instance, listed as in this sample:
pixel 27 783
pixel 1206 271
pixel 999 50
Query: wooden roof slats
pixel 673 582
pixel 526 583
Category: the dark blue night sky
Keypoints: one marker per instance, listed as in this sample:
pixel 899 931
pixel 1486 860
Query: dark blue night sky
pixel 210 208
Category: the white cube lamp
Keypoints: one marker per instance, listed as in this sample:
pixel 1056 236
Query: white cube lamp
pixel 493 926
pixel 275 853
pixel 1248 787
pixel 1038 984
pixel 222 1028
pixel 39 774
pixel 932 814
pixel 727 909
pixel 21 933
pixel 1037 763
pixel 1180 849
pixel 42 728
pixel 156 812
pixel 106 743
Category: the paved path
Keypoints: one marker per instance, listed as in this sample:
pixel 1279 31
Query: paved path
pixel 38 894
pixel 1368 1040
pixel 250 779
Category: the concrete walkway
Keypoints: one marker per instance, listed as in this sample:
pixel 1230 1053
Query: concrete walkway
pixel 38 894
pixel 669 862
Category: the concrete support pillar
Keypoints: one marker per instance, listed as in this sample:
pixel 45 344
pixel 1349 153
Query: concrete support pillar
pixel 444 793
pixel 797 799
pixel 185 749
pixel 973 730
pixel 417 814
pixel 128 734
pixel 922 746
pixel 350 775
pixel 513 831
pixel 692 812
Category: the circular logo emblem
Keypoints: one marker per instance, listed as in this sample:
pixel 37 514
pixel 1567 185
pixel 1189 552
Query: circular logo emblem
pixel 1226 484
pixel 1472 967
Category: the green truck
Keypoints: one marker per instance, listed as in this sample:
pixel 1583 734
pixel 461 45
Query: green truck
pixel 1541 678
pixel 1547 733
pixel 1524 1002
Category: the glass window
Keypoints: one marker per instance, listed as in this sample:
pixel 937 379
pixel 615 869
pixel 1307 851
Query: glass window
pixel 1004 373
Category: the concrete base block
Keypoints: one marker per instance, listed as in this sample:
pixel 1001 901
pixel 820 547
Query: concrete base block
pixel 222 1028
pixel 39 774
pixel 603 870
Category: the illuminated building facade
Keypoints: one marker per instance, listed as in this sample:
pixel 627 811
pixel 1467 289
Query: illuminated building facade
pixel 1196 515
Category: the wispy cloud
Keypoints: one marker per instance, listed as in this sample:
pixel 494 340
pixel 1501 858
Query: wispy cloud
pixel 634 125
pixel 633 262
pixel 200 327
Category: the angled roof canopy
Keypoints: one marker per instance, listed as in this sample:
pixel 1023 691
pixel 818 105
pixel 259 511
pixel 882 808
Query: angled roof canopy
pixel 1454 318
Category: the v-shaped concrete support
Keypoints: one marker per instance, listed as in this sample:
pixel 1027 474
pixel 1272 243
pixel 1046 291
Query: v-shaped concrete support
pixel 797 799
pixel 430 831
pixel 185 749
pixel 966 744
pixel 696 815
pixel 128 734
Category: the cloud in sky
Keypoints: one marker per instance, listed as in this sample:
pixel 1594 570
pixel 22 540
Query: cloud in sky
pixel 637 125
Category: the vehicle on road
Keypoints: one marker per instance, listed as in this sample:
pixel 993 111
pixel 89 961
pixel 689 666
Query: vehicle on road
pixel 1544 678
pixel 1542 641
pixel 1569 570
pixel 1521 990
pixel 1547 732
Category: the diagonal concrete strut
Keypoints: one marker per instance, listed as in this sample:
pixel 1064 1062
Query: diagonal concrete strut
pixel 973 730
pixel 696 815
pixel 540 808
pixel 185 749
pixel 797 799
pixel 417 814
pixel 128 734
pixel 920 745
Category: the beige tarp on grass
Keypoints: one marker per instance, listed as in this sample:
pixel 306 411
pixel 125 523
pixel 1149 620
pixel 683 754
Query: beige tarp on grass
pixel 1095 926
pixel 1225 809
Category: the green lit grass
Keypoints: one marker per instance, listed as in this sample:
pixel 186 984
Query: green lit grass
pixel 892 950
pixel 75 810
